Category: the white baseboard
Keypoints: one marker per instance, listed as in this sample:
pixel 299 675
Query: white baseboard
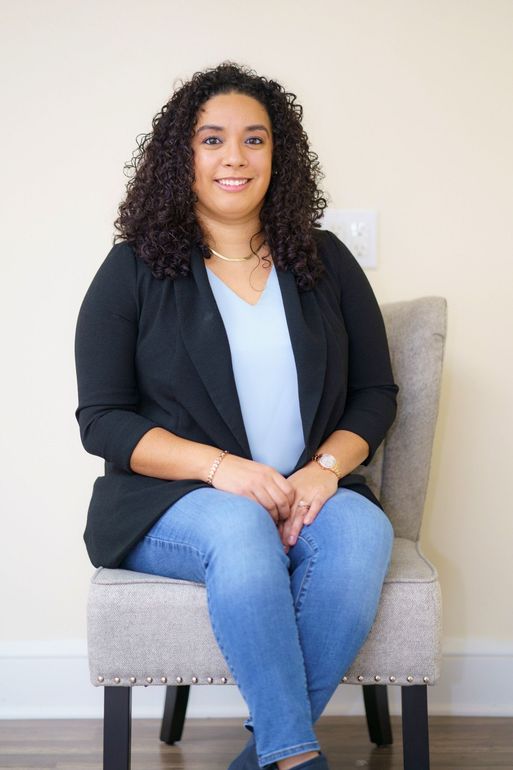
pixel 50 680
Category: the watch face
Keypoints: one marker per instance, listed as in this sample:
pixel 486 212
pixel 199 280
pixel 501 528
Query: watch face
pixel 327 461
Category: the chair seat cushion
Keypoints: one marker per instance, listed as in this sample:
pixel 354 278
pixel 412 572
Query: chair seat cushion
pixel 149 630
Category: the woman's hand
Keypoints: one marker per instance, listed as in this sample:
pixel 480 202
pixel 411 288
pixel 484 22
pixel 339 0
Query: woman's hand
pixel 258 482
pixel 312 486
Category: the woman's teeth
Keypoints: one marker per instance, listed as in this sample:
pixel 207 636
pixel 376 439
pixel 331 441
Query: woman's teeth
pixel 232 182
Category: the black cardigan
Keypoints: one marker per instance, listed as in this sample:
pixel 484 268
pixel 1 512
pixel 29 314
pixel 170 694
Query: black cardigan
pixel 154 353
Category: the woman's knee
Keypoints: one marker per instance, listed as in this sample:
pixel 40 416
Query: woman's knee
pixel 239 529
pixel 237 516
pixel 352 528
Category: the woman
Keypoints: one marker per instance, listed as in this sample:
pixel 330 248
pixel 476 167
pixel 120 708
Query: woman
pixel 233 371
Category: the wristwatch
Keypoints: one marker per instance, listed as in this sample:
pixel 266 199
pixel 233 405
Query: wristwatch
pixel 328 462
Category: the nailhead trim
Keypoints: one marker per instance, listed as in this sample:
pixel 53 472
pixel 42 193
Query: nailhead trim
pixel 392 679
pixel 210 680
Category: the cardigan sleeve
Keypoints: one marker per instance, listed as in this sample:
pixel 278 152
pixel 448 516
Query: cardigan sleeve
pixel 105 345
pixel 371 397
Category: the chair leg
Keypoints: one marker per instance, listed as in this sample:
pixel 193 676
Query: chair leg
pixel 415 727
pixel 375 698
pixel 117 724
pixel 174 713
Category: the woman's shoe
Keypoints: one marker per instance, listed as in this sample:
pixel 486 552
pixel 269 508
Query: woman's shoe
pixel 247 759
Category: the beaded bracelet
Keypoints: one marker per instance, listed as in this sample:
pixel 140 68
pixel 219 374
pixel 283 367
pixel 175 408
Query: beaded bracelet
pixel 215 466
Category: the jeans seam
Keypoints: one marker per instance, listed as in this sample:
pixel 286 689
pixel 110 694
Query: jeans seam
pixel 306 577
pixel 221 645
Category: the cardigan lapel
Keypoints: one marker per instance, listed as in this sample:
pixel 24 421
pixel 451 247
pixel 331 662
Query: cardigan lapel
pixel 206 341
pixel 308 339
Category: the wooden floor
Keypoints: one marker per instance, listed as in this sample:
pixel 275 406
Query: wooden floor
pixel 211 744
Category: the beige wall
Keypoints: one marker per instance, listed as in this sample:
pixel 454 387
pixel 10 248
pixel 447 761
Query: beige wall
pixel 408 104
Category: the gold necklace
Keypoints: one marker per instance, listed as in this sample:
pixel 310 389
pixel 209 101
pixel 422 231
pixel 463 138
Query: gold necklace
pixel 241 259
pixel 231 259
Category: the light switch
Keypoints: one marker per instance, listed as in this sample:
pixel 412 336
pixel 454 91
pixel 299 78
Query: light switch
pixel 357 228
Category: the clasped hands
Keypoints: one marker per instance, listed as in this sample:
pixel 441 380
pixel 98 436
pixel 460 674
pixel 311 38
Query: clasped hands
pixel 291 502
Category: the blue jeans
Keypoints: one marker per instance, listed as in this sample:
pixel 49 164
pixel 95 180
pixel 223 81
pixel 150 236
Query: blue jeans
pixel 288 625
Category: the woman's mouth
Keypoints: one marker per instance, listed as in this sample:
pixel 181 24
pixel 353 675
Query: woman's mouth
pixel 233 184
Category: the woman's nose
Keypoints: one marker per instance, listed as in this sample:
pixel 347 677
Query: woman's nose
pixel 234 154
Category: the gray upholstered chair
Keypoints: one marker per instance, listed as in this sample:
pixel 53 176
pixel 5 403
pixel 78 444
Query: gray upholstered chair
pixel 146 630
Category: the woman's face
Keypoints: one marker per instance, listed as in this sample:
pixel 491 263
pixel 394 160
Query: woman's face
pixel 232 146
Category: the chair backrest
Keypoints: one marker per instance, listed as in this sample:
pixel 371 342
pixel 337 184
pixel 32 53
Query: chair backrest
pixel 399 471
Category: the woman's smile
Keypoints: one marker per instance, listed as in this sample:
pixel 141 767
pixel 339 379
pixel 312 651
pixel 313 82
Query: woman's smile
pixel 233 184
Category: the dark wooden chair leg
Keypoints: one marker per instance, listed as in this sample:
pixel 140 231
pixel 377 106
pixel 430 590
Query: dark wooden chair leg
pixel 415 727
pixel 117 725
pixel 375 698
pixel 174 713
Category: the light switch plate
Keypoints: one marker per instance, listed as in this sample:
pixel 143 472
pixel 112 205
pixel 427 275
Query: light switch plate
pixel 357 228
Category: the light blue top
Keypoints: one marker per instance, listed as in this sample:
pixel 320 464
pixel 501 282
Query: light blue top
pixel 265 372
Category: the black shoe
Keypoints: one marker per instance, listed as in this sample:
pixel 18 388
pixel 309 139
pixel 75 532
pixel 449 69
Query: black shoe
pixel 247 759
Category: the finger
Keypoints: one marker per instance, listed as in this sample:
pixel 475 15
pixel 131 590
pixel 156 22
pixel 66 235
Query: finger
pixel 295 529
pixel 281 527
pixel 285 531
pixel 294 526
pixel 285 487
pixel 296 517
pixel 283 499
pixel 315 507
pixel 280 500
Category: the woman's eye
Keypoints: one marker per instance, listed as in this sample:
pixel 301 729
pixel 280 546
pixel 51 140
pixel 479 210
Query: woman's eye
pixel 213 140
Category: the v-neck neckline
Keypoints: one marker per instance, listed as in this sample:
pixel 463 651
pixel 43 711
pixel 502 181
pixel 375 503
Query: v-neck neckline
pixel 229 288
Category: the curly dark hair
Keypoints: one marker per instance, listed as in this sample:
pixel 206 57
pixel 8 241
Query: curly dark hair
pixel 157 216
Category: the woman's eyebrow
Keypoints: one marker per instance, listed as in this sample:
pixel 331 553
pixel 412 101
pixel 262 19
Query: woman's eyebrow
pixel 209 127
pixel 255 127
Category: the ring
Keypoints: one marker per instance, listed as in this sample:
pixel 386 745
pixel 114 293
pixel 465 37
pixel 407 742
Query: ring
pixel 302 504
